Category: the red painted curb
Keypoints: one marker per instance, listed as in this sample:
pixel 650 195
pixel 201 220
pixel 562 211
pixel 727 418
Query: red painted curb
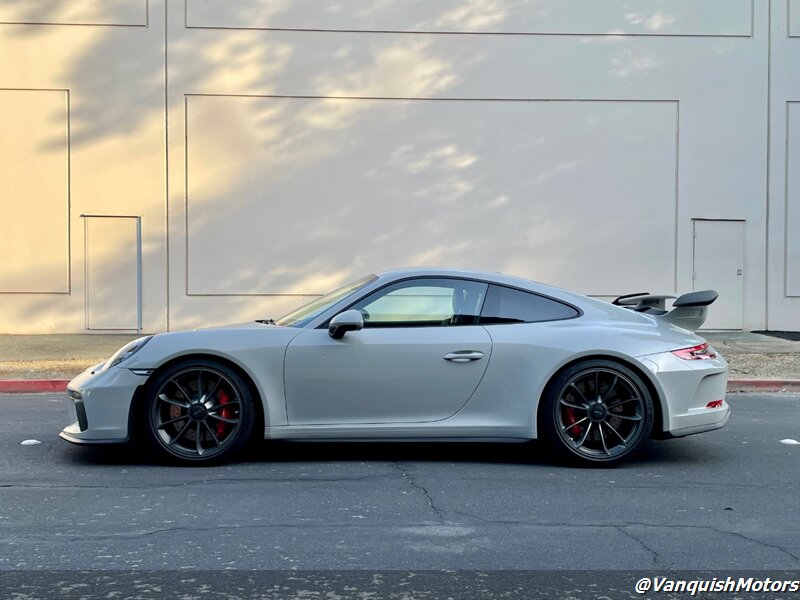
pixel 764 385
pixel 32 386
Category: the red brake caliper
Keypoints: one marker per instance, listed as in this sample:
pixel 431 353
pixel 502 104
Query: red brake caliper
pixel 224 413
pixel 569 419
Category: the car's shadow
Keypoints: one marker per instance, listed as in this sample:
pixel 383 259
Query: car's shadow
pixel 528 453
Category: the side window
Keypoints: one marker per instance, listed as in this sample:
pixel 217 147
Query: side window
pixel 424 303
pixel 507 305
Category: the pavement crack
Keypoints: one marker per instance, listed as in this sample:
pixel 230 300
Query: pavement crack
pixel 489 521
pixel 738 535
pixel 413 483
pixel 621 529
pixel 134 535
pixel 761 542
pixel 722 532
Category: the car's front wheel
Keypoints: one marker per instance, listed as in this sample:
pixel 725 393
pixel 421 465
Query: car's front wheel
pixel 197 411
pixel 597 412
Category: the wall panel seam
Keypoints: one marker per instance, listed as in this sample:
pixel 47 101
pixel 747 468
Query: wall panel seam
pixel 144 25
pixel 789 33
pixel 786 293
pixel 493 33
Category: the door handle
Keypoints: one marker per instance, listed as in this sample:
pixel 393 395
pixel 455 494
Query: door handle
pixel 462 356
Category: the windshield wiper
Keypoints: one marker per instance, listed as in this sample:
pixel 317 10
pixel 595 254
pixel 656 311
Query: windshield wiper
pixel 266 321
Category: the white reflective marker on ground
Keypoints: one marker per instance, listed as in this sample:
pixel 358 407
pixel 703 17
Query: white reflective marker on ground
pixel 29 442
pixel 790 442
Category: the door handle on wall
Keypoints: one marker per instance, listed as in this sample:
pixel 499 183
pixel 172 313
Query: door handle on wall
pixel 462 356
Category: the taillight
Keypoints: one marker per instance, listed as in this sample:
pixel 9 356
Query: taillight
pixel 701 352
pixel 714 404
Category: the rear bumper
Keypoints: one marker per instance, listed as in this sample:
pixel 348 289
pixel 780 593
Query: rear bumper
pixel 702 428
pixel 688 386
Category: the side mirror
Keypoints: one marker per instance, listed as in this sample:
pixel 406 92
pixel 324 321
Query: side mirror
pixel 349 320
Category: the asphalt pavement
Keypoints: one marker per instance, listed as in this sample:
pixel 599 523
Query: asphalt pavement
pixel 729 499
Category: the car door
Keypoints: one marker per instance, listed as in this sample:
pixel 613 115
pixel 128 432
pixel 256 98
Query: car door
pixel 419 358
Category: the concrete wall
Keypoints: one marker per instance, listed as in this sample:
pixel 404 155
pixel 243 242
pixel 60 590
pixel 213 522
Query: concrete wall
pixel 175 164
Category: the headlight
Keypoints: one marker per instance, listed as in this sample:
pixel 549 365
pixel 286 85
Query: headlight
pixel 126 351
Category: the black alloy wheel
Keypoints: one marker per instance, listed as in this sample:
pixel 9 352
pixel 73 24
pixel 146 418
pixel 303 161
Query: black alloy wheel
pixel 198 412
pixel 597 412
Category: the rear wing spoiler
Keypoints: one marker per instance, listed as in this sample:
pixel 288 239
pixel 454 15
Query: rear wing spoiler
pixel 688 311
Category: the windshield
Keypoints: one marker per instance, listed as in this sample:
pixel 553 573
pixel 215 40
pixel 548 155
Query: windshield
pixel 308 312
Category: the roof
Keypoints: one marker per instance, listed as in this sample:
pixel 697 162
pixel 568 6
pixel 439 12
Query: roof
pixel 494 277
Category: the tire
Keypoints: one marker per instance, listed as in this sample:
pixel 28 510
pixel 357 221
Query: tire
pixel 196 412
pixel 596 413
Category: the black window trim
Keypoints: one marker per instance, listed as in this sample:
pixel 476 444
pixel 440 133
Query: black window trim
pixel 324 324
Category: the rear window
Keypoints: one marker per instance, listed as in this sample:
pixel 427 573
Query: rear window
pixel 507 305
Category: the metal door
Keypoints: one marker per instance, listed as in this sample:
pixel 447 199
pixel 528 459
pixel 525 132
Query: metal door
pixel 719 265
pixel 113 272
pixel 383 375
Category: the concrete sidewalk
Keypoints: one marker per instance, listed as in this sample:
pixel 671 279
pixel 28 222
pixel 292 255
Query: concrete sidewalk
pixel 44 362
pixel 59 356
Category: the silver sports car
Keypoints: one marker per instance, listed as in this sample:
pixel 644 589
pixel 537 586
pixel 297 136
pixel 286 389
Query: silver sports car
pixel 418 354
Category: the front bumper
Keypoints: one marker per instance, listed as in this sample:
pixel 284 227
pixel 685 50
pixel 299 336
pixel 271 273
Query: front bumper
pixel 688 386
pixel 99 404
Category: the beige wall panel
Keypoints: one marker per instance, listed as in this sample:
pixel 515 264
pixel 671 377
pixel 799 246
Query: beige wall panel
pixel 643 17
pixel 792 209
pixel 34 191
pixel 284 190
pixel 74 12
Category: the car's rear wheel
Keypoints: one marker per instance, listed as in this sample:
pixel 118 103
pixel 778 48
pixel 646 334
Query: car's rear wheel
pixel 597 412
pixel 197 412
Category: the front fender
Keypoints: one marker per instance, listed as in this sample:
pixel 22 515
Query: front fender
pixel 258 352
